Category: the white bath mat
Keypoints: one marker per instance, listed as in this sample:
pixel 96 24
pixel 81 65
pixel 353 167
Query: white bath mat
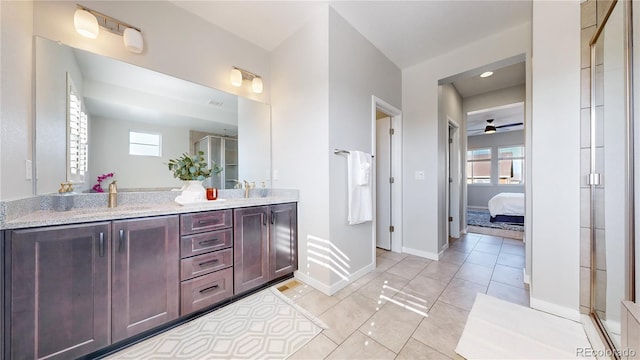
pixel 497 329
pixel 261 326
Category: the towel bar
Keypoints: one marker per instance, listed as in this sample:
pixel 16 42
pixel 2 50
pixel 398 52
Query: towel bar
pixel 340 151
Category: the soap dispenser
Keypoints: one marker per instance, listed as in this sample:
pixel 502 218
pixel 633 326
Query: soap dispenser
pixel 113 195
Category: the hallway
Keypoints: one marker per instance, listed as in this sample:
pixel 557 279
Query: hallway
pixel 411 307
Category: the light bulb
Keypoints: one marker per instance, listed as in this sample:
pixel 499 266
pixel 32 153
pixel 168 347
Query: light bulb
pixel 133 40
pixel 86 23
pixel 236 78
pixel 256 85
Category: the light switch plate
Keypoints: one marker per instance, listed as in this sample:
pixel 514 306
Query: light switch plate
pixel 419 175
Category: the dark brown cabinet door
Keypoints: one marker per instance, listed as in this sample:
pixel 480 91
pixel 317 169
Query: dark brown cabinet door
pixel 59 291
pixel 146 268
pixel 251 248
pixel 283 240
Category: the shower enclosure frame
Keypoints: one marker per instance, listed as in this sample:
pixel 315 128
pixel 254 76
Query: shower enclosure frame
pixel 594 176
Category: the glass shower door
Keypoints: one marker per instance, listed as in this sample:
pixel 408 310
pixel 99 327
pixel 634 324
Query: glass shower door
pixel 610 178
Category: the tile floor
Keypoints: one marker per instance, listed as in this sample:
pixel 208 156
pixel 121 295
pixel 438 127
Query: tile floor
pixel 411 307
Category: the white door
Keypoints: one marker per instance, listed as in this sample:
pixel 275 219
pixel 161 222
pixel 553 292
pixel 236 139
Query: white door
pixel 383 187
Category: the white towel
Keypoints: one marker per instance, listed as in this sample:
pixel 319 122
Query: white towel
pixel 359 187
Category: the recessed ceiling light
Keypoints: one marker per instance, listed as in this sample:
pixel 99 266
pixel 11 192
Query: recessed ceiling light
pixel 486 74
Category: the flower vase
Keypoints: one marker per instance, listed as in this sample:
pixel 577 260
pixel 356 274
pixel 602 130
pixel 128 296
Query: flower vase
pixel 193 191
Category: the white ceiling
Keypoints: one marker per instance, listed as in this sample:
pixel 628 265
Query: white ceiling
pixel 407 32
pixel 504 77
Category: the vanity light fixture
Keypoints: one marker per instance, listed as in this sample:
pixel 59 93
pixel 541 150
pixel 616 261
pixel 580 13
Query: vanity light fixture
pixel 237 75
pixel 88 23
pixel 486 74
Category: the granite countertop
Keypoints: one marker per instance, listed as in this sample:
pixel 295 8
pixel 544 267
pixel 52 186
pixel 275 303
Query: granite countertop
pixel 45 216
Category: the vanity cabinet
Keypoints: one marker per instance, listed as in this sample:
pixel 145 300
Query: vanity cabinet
pixel 265 244
pixel 283 244
pixel 206 265
pixel 59 291
pixel 145 281
pixel 77 288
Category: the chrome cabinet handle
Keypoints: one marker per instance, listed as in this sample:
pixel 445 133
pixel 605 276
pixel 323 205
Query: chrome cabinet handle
pixel 101 244
pixel 273 217
pixel 121 245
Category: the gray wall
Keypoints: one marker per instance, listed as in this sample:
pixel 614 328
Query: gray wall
pixel 479 194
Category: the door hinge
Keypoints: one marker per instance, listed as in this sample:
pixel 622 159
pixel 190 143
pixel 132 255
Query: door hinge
pixel 392 180
pixel 450 180
pixel 593 179
pixel 450 218
pixel 450 141
pixel 392 131
pixel 391 228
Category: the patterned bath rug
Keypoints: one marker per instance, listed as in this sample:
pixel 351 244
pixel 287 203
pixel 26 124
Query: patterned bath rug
pixel 261 326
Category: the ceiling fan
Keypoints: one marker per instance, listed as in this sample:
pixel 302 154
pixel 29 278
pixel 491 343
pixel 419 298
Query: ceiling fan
pixel 490 128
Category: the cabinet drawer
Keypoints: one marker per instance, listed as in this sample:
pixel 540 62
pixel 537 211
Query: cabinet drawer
pixel 203 243
pixel 205 263
pixel 205 290
pixel 205 221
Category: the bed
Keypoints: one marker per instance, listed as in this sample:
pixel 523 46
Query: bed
pixel 507 207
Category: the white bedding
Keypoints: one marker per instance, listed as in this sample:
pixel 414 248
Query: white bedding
pixel 507 204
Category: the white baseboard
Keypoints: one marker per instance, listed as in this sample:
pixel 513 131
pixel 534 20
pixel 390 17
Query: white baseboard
pixel 334 288
pixel 325 289
pixel 421 253
pixel 527 279
pixel 565 312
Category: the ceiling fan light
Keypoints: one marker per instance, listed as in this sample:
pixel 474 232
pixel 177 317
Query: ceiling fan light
pixel 489 129
pixel 86 23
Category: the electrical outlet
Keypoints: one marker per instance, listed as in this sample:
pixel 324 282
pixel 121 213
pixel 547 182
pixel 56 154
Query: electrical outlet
pixel 28 170
pixel 419 175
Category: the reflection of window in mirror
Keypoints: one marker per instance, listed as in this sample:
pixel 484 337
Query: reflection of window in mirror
pixel 77 135
pixel 145 144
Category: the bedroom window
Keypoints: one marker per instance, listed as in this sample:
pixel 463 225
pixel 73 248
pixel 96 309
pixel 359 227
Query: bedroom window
pixel 479 166
pixel 511 164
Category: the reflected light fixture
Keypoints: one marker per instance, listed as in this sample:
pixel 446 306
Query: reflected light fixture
pixel 490 128
pixel 237 75
pixel 486 74
pixel 88 23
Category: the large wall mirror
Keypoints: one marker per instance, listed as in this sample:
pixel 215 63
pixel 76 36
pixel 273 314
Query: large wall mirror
pixel 96 115
pixel 612 235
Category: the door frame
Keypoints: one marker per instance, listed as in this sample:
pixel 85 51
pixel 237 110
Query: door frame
pixel 396 172
pixel 455 185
